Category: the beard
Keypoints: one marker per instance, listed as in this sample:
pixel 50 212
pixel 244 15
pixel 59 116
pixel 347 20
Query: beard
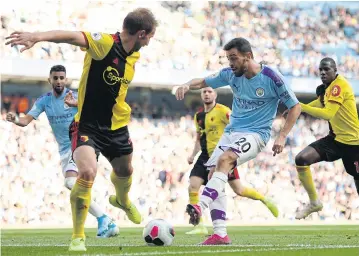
pixel 208 102
pixel 240 73
pixel 58 90
pixel 137 47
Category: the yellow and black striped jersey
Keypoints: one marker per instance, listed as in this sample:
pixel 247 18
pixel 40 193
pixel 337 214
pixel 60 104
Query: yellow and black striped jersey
pixel 210 126
pixel 108 70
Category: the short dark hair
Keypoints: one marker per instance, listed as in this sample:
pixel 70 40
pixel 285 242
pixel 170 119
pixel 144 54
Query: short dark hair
pixel 57 68
pixel 140 19
pixel 240 43
pixel 330 60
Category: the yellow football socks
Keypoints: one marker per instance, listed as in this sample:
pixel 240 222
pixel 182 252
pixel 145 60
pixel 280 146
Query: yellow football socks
pixel 305 176
pixel 80 202
pixel 122 186
pixel 252 194
pixel 193 197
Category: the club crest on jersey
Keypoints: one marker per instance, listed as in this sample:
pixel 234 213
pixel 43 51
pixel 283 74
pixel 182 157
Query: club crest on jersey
pixel 260 92
pixel 84 138
pixel 214 75
pixel 96 36
pixel 336 90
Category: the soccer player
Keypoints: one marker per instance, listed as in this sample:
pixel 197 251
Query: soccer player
pixel 210 122
pixel 336 104
pixel 103 115
pixel 257 90
pixel 60 107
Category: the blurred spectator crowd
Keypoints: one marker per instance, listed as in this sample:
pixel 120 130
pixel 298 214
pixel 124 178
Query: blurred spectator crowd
pixel 32 190
pixel 292 36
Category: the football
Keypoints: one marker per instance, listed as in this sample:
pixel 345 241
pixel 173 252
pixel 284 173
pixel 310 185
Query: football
pixel 158 232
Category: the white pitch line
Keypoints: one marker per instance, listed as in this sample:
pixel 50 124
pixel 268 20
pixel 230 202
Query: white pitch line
pixel 299 246
pixel 228 251
pixel 131 245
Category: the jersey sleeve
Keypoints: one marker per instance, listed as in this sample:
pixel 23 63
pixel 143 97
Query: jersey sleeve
pixel 315 103
pixel 99 44
pixel 37 108
pixel 196 123
pixel 337 93
pixel 284 92
pixel 218 79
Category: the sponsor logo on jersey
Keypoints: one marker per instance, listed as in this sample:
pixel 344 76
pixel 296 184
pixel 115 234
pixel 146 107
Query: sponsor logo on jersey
pixel 112 77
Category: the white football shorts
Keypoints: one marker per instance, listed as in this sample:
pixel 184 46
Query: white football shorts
pixel 246 145
pixel 67 163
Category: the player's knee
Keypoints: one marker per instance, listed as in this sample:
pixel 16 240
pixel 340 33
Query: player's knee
pixel 70 182
pixel 124 170
pixel 87 173
pixel 193 188
pixel 301 159
pixel 227 160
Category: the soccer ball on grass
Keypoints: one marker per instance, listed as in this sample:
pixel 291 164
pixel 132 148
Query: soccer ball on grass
pixel 158 232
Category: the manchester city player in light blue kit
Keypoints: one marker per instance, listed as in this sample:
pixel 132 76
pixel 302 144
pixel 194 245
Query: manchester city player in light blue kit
pixel 257 91
pixel 60 107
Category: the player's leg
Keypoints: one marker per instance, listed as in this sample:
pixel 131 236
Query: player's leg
pixel 106 227
pixel 232 150
pixel 198 177
pixel 85 153
pixel 240 149
pixel 303 160
pixel 244 191
pixel 321 150
pixel 121 178
pixel 118 152
pixel 214 197
pixel 351 164
pixel 85 158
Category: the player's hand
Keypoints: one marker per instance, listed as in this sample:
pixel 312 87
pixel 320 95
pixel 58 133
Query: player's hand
pixel 11 117
pixel 181 91
pixel 26 39
pixel 70 100
pixel 190 159
pixel 278 145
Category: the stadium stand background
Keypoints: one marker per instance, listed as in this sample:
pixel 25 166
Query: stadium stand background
pixel 291 37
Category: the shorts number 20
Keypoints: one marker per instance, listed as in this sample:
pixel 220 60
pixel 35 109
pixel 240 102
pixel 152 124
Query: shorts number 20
pixel 243 144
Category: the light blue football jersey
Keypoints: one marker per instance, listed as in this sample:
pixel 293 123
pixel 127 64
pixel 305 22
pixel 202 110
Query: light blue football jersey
pixel 255 100
pixel 59 115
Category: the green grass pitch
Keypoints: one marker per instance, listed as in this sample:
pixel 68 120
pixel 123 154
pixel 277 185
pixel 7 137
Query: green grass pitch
pixel 271 240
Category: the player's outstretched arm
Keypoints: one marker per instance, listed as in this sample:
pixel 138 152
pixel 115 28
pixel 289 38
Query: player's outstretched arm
pixel 28 40
pixel 194 84
pixel 326 113
pixel 292 117
pixel 19 121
